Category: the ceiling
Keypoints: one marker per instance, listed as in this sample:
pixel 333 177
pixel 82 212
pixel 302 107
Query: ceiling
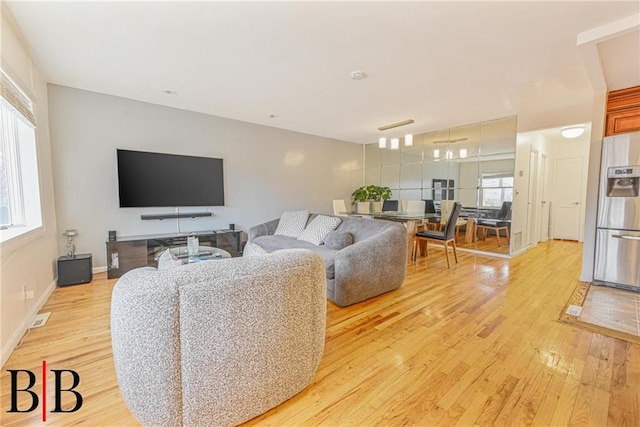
pixel 288 64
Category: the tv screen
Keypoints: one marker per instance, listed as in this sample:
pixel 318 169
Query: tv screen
pixel 156 179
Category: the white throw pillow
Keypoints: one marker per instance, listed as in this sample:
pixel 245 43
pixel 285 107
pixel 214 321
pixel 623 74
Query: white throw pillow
pixel 251 249
pixel 292 223
pixel 318 229
pixel 167 260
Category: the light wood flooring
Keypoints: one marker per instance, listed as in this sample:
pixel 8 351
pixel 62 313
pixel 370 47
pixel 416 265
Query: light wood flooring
pixel 488 244
pixel 479 344
pixel 612 308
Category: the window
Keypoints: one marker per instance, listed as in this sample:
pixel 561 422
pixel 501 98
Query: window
pixel 496 188
pixel 19 186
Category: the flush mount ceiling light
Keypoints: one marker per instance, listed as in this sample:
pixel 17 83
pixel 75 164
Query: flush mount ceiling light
pixel 572 132
pixel 358 75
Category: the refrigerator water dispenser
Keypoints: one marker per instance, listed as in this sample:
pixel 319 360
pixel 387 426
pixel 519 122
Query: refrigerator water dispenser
pixel 623 181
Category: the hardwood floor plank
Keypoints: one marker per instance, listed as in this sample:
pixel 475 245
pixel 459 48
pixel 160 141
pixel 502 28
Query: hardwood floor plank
pixel 477 344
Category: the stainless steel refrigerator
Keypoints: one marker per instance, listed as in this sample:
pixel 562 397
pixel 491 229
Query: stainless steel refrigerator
pixel 617 260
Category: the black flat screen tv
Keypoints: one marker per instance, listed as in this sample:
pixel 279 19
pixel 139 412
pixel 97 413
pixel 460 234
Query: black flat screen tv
pixel 156 179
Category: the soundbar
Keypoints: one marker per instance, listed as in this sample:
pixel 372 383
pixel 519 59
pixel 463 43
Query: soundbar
pixel 175 215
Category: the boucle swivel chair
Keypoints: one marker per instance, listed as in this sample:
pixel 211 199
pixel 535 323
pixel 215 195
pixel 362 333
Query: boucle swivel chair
pixel 218 342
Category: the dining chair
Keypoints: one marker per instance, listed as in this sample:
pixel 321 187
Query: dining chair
pixel 390 205
pixel 446 206
pixel 501 222
pixel 430 208
pixel 415 206
pixel 445 237
pixel 339 207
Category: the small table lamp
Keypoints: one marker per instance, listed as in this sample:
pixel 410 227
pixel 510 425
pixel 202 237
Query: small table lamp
pixel 70 248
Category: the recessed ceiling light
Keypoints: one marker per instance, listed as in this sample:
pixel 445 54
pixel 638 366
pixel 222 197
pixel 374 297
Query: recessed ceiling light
pixel 358 75
pixel 170 92
pixel 572 132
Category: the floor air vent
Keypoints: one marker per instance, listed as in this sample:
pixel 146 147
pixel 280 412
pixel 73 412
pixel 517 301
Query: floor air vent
pixel 40 320
pixel 517 240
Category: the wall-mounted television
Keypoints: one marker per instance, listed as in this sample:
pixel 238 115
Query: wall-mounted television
pixel 156 179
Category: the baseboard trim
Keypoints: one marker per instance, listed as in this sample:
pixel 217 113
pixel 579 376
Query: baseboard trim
pixel 15 338
pixel 520 252
pixel 99 269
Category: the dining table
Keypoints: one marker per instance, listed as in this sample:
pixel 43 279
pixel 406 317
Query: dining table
pixel 412 221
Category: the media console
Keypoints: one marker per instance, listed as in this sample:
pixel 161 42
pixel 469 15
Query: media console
pixel 127 253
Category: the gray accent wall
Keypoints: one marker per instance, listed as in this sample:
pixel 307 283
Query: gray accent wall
pixel 266 170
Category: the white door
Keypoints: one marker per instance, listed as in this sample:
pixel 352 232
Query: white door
pixel 531 211
pixel 566 209
pixel 544 202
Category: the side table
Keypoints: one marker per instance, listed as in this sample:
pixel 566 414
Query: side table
pixel 76 270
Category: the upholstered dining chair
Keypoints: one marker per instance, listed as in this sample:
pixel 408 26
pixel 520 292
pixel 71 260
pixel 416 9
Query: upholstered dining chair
pixel 430 208
pixel 500 223
pixel 339 207
pixel 445 237
pixel 415 206
pixel 390 205
pixel 446 206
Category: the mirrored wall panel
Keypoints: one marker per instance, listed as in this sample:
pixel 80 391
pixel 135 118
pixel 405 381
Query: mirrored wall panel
pixel 473 165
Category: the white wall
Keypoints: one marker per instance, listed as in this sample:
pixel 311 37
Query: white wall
pixel 266 170
pixel 593 177
pixel 520 195
pixel 31 263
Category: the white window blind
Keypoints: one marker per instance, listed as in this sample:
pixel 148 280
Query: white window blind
pixel 20 204
pixel 16 97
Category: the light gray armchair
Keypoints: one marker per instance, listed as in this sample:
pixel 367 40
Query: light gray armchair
pixel 218 342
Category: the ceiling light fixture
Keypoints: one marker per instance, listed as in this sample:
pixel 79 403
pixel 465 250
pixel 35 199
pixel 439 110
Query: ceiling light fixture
pixel 408 140
pixel 572 132
pixel 395 125
pixel 449 141
pixel 395 142
pixel 170 92
pixel 436 154
pixel 463 153
pixel 358 75
pixel 382 142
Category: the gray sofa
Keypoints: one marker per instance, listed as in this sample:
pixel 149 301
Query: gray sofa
pixel 375 263
pixel 218 342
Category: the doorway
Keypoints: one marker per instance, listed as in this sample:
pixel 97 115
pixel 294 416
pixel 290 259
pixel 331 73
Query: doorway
pixel 566 212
